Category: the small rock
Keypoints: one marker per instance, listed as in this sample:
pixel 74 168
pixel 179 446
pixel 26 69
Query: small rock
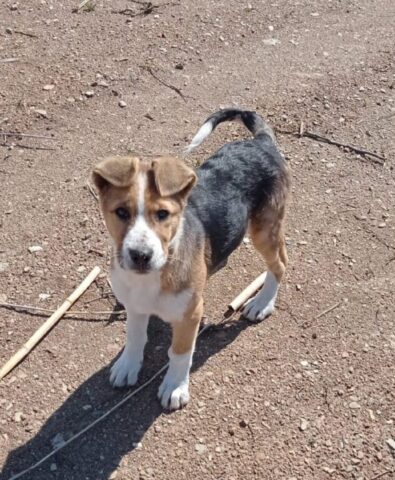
pixel 243 424
pixel 329 470
pixel 3 297
pixel 122 104
pixel 345 355
pixel 53 467
pixel 391 443
pixel 354 405
pixel 14 7
pixel 35 249
pixel 179 66
pixel 9 31
pixel 89 94
pixel 304 363
pixel 81 269
pixel 3 266
pixel 200 449
pixel 44 296
pixel 48 87
pixel 246 240
pixel 42 113
pixel 58 441
pixel 382 225
pixel 271 41
pixel 304 424
pixel 18 417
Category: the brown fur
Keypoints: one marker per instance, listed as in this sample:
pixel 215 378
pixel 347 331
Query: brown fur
pixel 116 180
pixel 266 230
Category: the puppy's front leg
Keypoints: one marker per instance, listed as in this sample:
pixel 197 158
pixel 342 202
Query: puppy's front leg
pixel 174 390
pixel 126 369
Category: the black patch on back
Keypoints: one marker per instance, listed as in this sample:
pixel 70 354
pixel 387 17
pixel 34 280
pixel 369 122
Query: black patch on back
pixel 236 181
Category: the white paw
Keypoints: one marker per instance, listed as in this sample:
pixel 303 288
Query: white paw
pixel 125 370
pixel 258 308
pixel 173 395
pixel 262 305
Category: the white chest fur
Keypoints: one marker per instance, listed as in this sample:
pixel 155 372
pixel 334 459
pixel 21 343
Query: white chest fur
pixel 141 294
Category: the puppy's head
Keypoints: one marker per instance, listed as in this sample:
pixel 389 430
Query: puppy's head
pixel 142 205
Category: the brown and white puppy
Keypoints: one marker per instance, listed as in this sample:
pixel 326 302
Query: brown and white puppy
pixel 172 228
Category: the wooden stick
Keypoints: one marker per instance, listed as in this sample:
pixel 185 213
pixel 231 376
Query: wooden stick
pixel 27 135
pixel 32 308
pixel 247 293
pixel 46 326
pixel 327 311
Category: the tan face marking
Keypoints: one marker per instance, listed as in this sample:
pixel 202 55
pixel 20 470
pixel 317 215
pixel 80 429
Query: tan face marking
pixel 141 222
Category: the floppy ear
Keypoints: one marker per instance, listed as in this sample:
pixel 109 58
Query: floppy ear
pixel 116 171
pixel 173 177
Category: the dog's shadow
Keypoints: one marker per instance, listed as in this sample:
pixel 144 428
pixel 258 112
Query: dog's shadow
pixel 98 452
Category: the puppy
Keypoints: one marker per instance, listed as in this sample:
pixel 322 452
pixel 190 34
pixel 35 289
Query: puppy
pixel 172 228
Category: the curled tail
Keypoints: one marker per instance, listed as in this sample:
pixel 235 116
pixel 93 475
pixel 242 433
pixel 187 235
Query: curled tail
pixel 255 124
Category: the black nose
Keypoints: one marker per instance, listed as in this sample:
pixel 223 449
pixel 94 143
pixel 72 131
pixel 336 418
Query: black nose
pixel 140 258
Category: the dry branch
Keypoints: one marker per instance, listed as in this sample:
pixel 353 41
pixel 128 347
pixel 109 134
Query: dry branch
pixel 319 138
pixel 49 324
pixel 31 308
pixel 247 293
pixel 27 135
pixel 168 85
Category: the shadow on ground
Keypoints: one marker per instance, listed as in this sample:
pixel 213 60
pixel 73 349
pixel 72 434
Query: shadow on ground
pixel 96 454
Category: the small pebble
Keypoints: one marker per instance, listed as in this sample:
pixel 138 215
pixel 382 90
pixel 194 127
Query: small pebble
pixel 354 405
pixel 271 41
pixel 3 266
pixel 42 113
pixel 19 416
pixel 89 94
pixel 200 449
pixel 9 31
pixel 44 296
pixel 122 104
pixel 391 443
pixel 48 87
pixel 35 249
pixel 303 425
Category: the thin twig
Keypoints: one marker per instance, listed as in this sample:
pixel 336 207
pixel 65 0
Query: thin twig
pixel 32 308
pixel 382 474
pixel 26 34
pixel 27 135
pixel 8 60
pixel 168 85
pixel 94 194
pixel 27 147
pixel 320 138
pixel 327 311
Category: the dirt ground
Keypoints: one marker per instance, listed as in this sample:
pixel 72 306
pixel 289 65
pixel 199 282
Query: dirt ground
pixel 298 396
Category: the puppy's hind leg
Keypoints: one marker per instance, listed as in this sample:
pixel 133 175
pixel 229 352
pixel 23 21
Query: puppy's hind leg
pixel 268 238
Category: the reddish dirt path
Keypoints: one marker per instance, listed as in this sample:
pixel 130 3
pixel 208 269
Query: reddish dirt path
pixel 294 397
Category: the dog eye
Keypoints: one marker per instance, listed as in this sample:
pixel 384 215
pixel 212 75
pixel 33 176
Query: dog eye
pixel 162 215
pixel 122 214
